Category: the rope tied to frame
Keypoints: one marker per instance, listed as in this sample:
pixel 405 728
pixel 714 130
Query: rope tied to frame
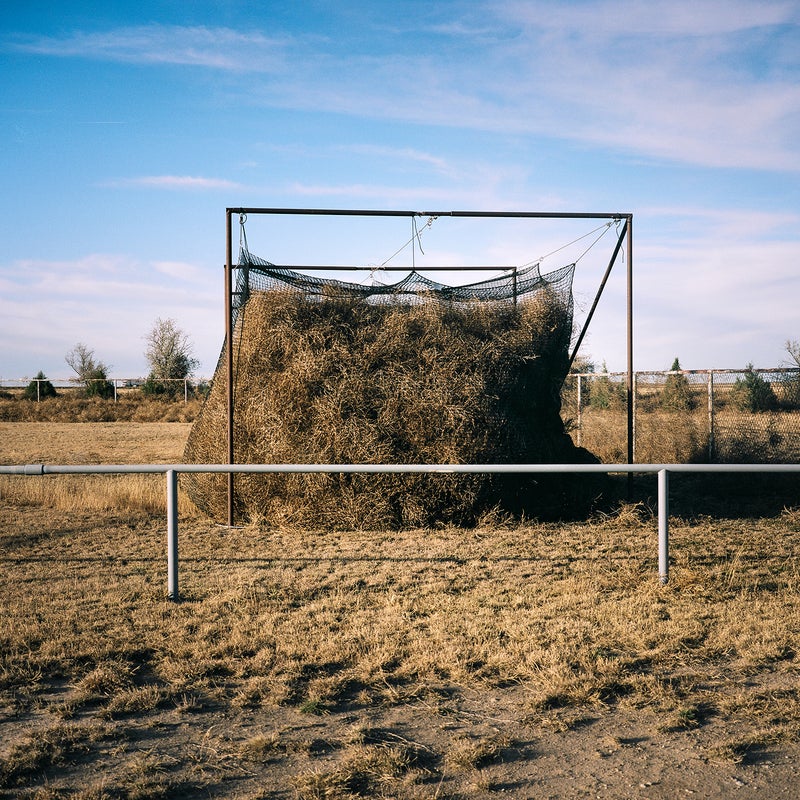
pixel 415 237
pixel 603 228
pixel 242 232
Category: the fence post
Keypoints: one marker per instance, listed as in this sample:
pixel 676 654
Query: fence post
pixel 711 415
pixel 580 403
pixel 634 392
pixel 663 526
pixel 172 535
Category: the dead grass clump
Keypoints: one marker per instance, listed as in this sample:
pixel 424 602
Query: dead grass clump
pixel 476 753
pixel 672 436
pixel 382 769
pixel 422 660
pixel 130 406
pixel 341 381
pixel 127 493
pixel 45 749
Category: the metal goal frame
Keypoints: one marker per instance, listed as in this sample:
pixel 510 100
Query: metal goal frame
pixel 625 236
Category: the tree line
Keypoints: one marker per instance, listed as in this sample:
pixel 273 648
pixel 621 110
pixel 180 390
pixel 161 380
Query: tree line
pixel 169 354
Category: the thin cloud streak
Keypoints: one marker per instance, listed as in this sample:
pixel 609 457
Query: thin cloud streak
pixel 209 47
pixel 179 182
pixel 672 84
pixel 362 190
pixel 639 17
pixel 109 293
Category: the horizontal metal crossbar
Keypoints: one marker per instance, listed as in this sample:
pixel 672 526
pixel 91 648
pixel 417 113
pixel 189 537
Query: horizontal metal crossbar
pixel 349 212
pixel 172 471
pixel 609 469
pixel 387 268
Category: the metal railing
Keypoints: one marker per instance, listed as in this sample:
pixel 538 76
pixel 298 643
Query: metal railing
pixel 171 471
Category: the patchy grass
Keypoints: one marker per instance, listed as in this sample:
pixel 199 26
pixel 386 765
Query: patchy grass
pixel 408 664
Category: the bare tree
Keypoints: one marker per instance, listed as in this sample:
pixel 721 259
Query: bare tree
pixel 169 354
pixel 792 382
pixel 793 349
pixel 92 374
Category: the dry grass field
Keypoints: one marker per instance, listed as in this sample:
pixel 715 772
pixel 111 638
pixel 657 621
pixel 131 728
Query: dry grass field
pixel 515 660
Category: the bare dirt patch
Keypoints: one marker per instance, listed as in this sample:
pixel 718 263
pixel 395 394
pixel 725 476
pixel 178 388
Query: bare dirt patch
pixel 515 660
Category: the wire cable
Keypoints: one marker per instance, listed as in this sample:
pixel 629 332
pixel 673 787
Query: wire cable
pixel 605 226
pixel 417 234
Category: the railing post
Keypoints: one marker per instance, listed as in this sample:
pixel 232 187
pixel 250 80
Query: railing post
pixel 633 394
pixel 172 535
pixel 663 526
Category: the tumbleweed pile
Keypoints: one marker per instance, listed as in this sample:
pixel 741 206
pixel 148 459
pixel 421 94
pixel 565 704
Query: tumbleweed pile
pixel 332 380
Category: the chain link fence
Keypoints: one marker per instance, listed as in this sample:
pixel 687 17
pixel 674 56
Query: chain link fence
pixel 688 416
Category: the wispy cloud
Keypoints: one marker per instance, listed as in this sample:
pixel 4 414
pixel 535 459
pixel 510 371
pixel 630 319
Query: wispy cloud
pixel 181 270
pixel 363 190
pixel 108 301
pixel 692 18
pixel 705 82
pixel 714 84
pixel 200 46
pixel 181 182
pixel 406 155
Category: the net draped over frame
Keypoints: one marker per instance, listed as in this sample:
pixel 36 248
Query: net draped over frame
pixel 416 372
pixel 256 274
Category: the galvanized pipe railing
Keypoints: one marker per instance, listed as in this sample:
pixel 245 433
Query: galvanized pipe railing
pixel 173 470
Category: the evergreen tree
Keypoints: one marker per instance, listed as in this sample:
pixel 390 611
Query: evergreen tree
pixel 676 394
pixel 754 393
pixel 39 388
pixel 606 393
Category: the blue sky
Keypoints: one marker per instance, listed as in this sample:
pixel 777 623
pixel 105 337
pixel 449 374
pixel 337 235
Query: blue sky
pixel 127 129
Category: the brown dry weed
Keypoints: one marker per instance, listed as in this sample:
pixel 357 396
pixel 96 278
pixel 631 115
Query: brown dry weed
pixel 409 664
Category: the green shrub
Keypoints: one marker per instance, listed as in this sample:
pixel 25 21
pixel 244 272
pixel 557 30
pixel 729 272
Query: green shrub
pixel 167 390
pixel 98 385
pixel 39 388
pixel 605 393
pixel 676 394
pixel 752 393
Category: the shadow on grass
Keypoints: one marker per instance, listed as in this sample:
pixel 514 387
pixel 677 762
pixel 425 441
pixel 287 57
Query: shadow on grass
pixel 723 496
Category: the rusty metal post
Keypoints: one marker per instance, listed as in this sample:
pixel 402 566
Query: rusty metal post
pixel 630 337
pixel 599 294
pixel 229 353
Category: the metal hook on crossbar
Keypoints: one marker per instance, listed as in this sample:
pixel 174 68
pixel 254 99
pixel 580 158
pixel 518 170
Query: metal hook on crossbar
pixel 243 233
